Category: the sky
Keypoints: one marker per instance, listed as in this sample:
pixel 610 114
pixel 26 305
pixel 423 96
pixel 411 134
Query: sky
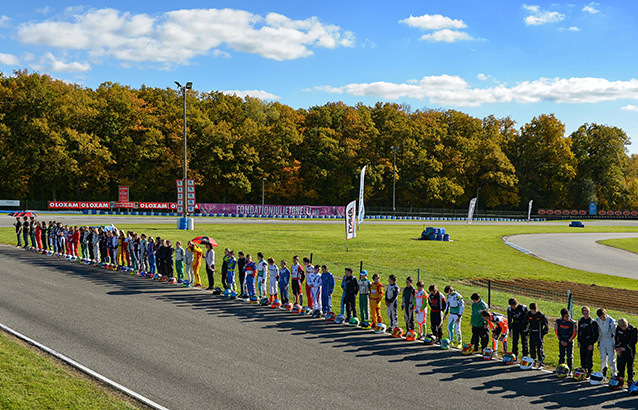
pixel 577 60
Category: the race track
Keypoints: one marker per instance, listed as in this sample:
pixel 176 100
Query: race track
pixel 580 251
pixel 187 349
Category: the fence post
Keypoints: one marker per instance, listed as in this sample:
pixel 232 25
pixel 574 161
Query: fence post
pixel 418 275
pixel 570 303
pixel 311 258
pixel 361 266
pixel 489 293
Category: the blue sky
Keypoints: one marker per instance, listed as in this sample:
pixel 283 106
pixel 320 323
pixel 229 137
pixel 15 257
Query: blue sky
pixel 578 60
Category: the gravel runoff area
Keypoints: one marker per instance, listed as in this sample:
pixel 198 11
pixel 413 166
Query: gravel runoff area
pixel 185 348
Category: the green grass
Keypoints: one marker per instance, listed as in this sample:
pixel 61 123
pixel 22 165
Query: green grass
pixel 476 251
pixel 28 380
pixel 628 244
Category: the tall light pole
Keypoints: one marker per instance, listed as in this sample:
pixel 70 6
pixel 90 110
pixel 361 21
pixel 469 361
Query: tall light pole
pixel 183 88
pixel 394 178
pixel 263 190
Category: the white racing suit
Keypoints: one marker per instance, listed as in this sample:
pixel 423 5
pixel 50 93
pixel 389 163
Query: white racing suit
pixel 273 271
pixel 454 310
pixel 262 277
pixel 421 310
pixel 606 333
pixel 314 281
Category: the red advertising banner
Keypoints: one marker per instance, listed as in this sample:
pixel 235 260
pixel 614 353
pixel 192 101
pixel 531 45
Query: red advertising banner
pixel 125 204
pixel 122 194
pixel 79 205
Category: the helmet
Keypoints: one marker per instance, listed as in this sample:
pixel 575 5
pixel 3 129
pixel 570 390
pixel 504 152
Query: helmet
pixel 579 374
pixel 467 349
pixel 596 378
pixel 380 328
pixel 305 310
pixel 429 339
pixel 365 325
pixel 527 363
pixel 488 353
pixel 316 313
pixel 295 309
pixel 226 292
pixel 186 283
pixel 633 389
pixel 263 302
pixel 616 382
pixel 233 294
pixel 276 303
pixel 172 280
pixel 509 358
pixel 562 371
pixel 340 319
pixel 354 322
pixel 410 336
pixel 445 344
pixel 218 291
pixel 397 332
pixel 330 317
pixel 288 306
pixel 157 276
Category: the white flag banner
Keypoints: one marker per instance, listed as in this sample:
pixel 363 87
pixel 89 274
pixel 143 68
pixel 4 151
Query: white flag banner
pixel 529 210
pixel 362 209
pixel 351 220
pixel 470 211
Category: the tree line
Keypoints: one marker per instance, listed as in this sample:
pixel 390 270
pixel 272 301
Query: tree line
pixel 67 142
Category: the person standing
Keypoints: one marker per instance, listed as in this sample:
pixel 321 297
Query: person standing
pixel 327 288
pixel 421 307
pixel 587 337
pixel 310 269
pixel 188 262
pixel 25 231
pixel 284 280
pixel 210 266
pixel 251 272
pixel 391 302
pixel 479 324
pixel 350 290
pixel 231 267
pixel 225 268
pixel 625 349
pixel 537 328
pixel 179 261
pixel 297 275
pixel 314 282
pixel 151 252
pixel 500 330
pixel 606 343
pixel 262 267
pixel 408 303
pixel 241 269
pixel 95 244
pixel 32 226
pixel 437 304
pixel 376 296
pixel 273 273
pixel 364 296
pixel 18 226
pixel 516 320
pixel 38 235
pixel 454 311
pixel 566 331
pixel 197 260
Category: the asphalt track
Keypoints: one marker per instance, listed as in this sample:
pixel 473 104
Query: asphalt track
pixel 187 349
pixel 581 251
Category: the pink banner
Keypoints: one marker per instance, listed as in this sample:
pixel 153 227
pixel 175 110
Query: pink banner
pixel 274 210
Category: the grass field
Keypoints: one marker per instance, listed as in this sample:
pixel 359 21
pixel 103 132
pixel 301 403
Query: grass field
pixel 476 251
pixel 29 380
pixel 628 244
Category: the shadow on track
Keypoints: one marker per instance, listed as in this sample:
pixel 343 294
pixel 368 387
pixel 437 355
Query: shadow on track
pixel 541 388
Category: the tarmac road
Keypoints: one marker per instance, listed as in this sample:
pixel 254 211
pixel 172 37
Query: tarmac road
pixel 187 349
pixel 581 251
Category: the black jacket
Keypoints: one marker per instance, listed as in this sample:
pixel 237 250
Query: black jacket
pixel 587 331
pixel 537 323
pixel 627 339
pixel 409 298
pixel 351 286
pixel 517 318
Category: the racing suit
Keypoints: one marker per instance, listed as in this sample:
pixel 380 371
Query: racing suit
pixel 251 271
pixel 376 296
pixel 327 287
pixel 309 270
pixel 537 327
pixel 500 331
pixel 516 320
pixel 454 310
pixel 284 280
pixel 313 280
pixel 231 265
pixel 437 304
pixel 391 302
pixel 364 299
pixel 566 331
pixel 297 275
pixel 606 343
pixel 407 304
pixel 421 310
pixel 351 288
pixel 626 339
pixel 273 271
pixel 261 278
pixel 587 336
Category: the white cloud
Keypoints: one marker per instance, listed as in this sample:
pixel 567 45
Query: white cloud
pixel 8 59
pixel 176 37
pixel 261 94
pixel 49 62
pixel 4 21
pixel 483 77
pixel 433 22
pixel 591 8
pixel 630 108
pixel 454 91
pixel 446 36
pixel 539 16
pixel 573 28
